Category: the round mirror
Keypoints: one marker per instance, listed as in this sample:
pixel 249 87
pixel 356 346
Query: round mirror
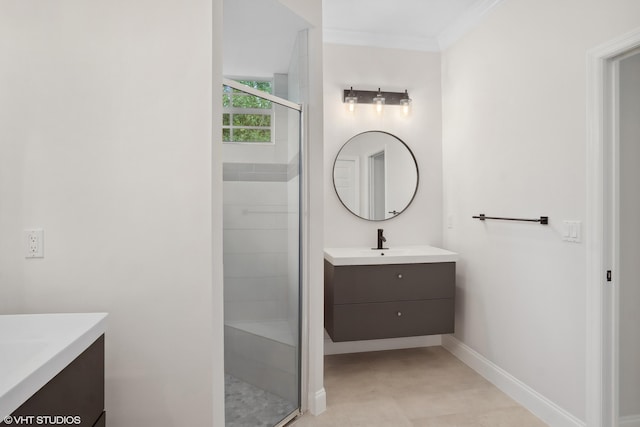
pixel 375 175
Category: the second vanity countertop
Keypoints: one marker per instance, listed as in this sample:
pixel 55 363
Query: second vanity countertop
pixel 393 255
pixel 34 348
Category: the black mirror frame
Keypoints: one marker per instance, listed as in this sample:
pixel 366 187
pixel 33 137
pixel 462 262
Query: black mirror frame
pixel 415 162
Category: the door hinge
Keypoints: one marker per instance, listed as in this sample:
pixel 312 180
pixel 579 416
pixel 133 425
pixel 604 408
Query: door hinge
pixel 608 275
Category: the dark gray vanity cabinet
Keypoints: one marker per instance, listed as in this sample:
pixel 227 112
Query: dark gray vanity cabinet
pixel 74 397
pixel 364 302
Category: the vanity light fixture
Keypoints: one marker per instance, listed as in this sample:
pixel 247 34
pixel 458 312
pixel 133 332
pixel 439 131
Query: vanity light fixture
pixel 378 98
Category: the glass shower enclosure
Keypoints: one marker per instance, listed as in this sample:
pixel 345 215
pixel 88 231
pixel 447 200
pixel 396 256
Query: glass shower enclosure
pixel 262 258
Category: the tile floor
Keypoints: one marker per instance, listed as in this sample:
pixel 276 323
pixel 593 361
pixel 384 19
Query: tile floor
pixel 249 406
pixel 423 387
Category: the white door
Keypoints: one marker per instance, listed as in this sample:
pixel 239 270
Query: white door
pixel 628 245
pixel 345 177
pixel 613 230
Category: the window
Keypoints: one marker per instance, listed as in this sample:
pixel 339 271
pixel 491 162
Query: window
pixel 247 118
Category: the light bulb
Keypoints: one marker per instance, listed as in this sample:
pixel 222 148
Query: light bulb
pixel 351 105
pixel 351 99
pixel 405 102
pixel 378 100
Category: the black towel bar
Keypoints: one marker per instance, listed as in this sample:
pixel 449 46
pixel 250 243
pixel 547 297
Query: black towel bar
pixel 544 220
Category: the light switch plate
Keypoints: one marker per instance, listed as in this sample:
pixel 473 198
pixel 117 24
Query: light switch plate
pixel 572 231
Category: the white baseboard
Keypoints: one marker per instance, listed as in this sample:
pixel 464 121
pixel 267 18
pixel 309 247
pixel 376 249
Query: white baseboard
pixel 539 405
pixel 331 347
pixel 630 421
pixel 318 402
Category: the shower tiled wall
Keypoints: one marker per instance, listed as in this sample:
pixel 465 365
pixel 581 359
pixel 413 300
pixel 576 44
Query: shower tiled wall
pixel 255 250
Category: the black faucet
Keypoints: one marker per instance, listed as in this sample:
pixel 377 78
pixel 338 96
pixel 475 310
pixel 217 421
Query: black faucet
pixel 381 239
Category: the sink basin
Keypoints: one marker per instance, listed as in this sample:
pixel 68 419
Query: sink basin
pixel 386 252
pixel 394 255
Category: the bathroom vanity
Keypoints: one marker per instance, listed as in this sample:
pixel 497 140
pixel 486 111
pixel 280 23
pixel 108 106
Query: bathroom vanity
pixel 398 292
pixel 52 369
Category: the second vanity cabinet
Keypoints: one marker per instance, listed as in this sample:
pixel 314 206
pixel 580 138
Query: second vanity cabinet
pixel 364 302
pixel 52 369
pixel 75 396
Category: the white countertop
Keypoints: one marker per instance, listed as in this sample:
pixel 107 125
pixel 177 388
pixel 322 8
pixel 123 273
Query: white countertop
pixel 393 255
pixel 34 348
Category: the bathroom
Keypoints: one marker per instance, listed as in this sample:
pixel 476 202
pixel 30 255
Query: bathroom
pixel 106 146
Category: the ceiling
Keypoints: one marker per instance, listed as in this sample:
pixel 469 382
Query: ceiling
pixel 428 25
pixel 259 35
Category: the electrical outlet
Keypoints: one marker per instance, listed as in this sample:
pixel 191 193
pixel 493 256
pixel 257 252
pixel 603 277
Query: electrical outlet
pixel 34 243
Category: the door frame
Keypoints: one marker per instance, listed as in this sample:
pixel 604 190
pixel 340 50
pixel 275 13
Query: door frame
pixel 373 171
pixel 602 230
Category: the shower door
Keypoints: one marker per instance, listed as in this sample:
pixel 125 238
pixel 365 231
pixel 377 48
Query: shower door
pixel 261 184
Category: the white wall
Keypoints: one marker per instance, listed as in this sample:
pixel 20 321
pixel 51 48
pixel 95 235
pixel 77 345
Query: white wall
pixel 629 236
pixel 514 144
pixel 105 130
pixel 367 68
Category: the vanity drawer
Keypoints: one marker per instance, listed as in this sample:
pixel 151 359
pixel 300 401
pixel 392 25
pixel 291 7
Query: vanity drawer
pixel 392 282
pixel 351 322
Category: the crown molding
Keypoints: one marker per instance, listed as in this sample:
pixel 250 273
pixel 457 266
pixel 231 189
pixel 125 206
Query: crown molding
pixel 376 39
pixel 465 22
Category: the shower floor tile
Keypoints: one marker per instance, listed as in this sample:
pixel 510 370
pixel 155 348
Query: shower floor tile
pixel 249 406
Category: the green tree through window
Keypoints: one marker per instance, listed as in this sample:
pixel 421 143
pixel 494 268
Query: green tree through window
pixel 245 117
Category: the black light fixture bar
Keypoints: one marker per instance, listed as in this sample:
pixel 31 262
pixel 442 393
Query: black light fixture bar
pixel 367 96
